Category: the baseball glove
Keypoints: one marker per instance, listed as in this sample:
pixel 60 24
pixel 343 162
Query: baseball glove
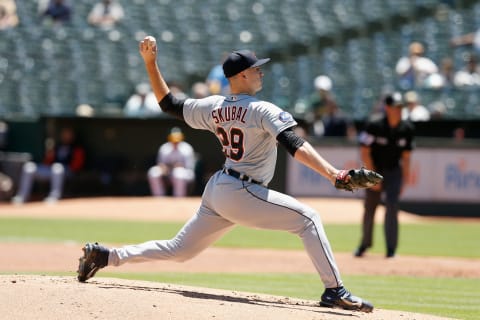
pixel 357 179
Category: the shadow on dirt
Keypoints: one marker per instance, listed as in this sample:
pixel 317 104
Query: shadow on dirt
pixel 253 299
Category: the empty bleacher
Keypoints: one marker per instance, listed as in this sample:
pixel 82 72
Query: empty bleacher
pixel 49 70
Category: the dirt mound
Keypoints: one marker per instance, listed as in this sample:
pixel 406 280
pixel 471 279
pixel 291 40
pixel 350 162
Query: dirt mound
pixel 48 297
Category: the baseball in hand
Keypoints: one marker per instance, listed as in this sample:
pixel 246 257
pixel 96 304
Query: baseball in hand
pixel 150 38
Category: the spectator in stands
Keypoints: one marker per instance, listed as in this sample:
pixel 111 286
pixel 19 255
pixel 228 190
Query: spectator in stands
pixel 216 80
pixel 442 80
pixel 200 90
pixel 106 14
pixel 42 6
pixel 438 109
pixel 62 159
pixel 471 39
pixel 336 123
pixel 469 75
pixel 447 72
pixel 57 12
pixel 319 101
pixel 142 103
pixel 326 116
pixel 378 108
pixel 414 111
pixel 8 14
pixel 385 146
pixel 176 90
pixel 6 182
pixel 414 70
pixel 174 168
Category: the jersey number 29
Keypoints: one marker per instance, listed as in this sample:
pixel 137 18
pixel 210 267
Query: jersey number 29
pixel 232 142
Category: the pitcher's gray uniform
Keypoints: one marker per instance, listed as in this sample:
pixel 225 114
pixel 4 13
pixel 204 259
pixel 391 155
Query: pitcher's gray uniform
pixel 247 130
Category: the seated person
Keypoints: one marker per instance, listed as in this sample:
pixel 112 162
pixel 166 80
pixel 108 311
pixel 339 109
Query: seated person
pixel 106 14
pixel 469 75
pixel 61 160
pixel 57 12
pixel 142 103
pixel 8 14
pixel 174 168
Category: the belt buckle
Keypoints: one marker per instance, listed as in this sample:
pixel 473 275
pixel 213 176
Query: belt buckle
pixel 246 178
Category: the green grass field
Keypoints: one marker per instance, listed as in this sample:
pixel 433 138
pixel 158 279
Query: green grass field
pixel 414 294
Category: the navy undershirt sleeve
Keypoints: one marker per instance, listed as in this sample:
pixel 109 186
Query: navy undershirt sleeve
pixel 172 106
pixel 290 140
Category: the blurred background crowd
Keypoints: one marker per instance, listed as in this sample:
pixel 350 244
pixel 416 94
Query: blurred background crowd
pixel 58 55
pixel 333 61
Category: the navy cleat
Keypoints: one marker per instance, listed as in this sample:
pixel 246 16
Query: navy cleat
pixel 94 258
pixel 343 299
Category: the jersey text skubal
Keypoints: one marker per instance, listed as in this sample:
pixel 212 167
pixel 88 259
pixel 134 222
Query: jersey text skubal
pixel 229 113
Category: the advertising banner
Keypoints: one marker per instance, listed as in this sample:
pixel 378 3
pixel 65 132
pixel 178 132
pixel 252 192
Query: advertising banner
pixel 436 175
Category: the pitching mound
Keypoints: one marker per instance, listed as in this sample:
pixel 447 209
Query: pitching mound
pixel 48 297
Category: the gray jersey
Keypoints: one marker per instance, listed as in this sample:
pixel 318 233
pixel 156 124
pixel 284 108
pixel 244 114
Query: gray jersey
pixel 246 128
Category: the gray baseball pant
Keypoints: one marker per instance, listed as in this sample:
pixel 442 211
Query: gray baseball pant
pixel 228 201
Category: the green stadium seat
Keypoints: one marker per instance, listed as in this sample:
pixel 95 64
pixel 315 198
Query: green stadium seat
pixel 356 42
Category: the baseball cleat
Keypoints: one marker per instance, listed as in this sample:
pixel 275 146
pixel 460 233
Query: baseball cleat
pixel 94 258
pixel 343 299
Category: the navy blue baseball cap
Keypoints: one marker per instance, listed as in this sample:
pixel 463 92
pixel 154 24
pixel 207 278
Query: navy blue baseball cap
pixel 394 100
pixel 240 60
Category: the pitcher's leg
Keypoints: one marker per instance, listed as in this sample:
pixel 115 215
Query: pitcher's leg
pixel 197 234
pixel 320 252
pixel 260 207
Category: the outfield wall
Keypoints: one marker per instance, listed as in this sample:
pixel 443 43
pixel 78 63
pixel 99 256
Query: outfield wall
pixel 120 151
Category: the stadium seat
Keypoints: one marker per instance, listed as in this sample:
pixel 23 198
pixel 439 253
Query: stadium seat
pixel 402 8
pixel 357 43
pixel 374 10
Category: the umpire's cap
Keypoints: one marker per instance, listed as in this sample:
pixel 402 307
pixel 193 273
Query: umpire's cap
pixel 237 61
pixel 394 99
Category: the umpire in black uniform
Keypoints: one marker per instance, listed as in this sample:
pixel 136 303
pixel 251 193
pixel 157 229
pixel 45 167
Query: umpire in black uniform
pixel 385 147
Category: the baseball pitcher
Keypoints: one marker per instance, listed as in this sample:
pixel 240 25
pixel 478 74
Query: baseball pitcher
pixel 248 131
